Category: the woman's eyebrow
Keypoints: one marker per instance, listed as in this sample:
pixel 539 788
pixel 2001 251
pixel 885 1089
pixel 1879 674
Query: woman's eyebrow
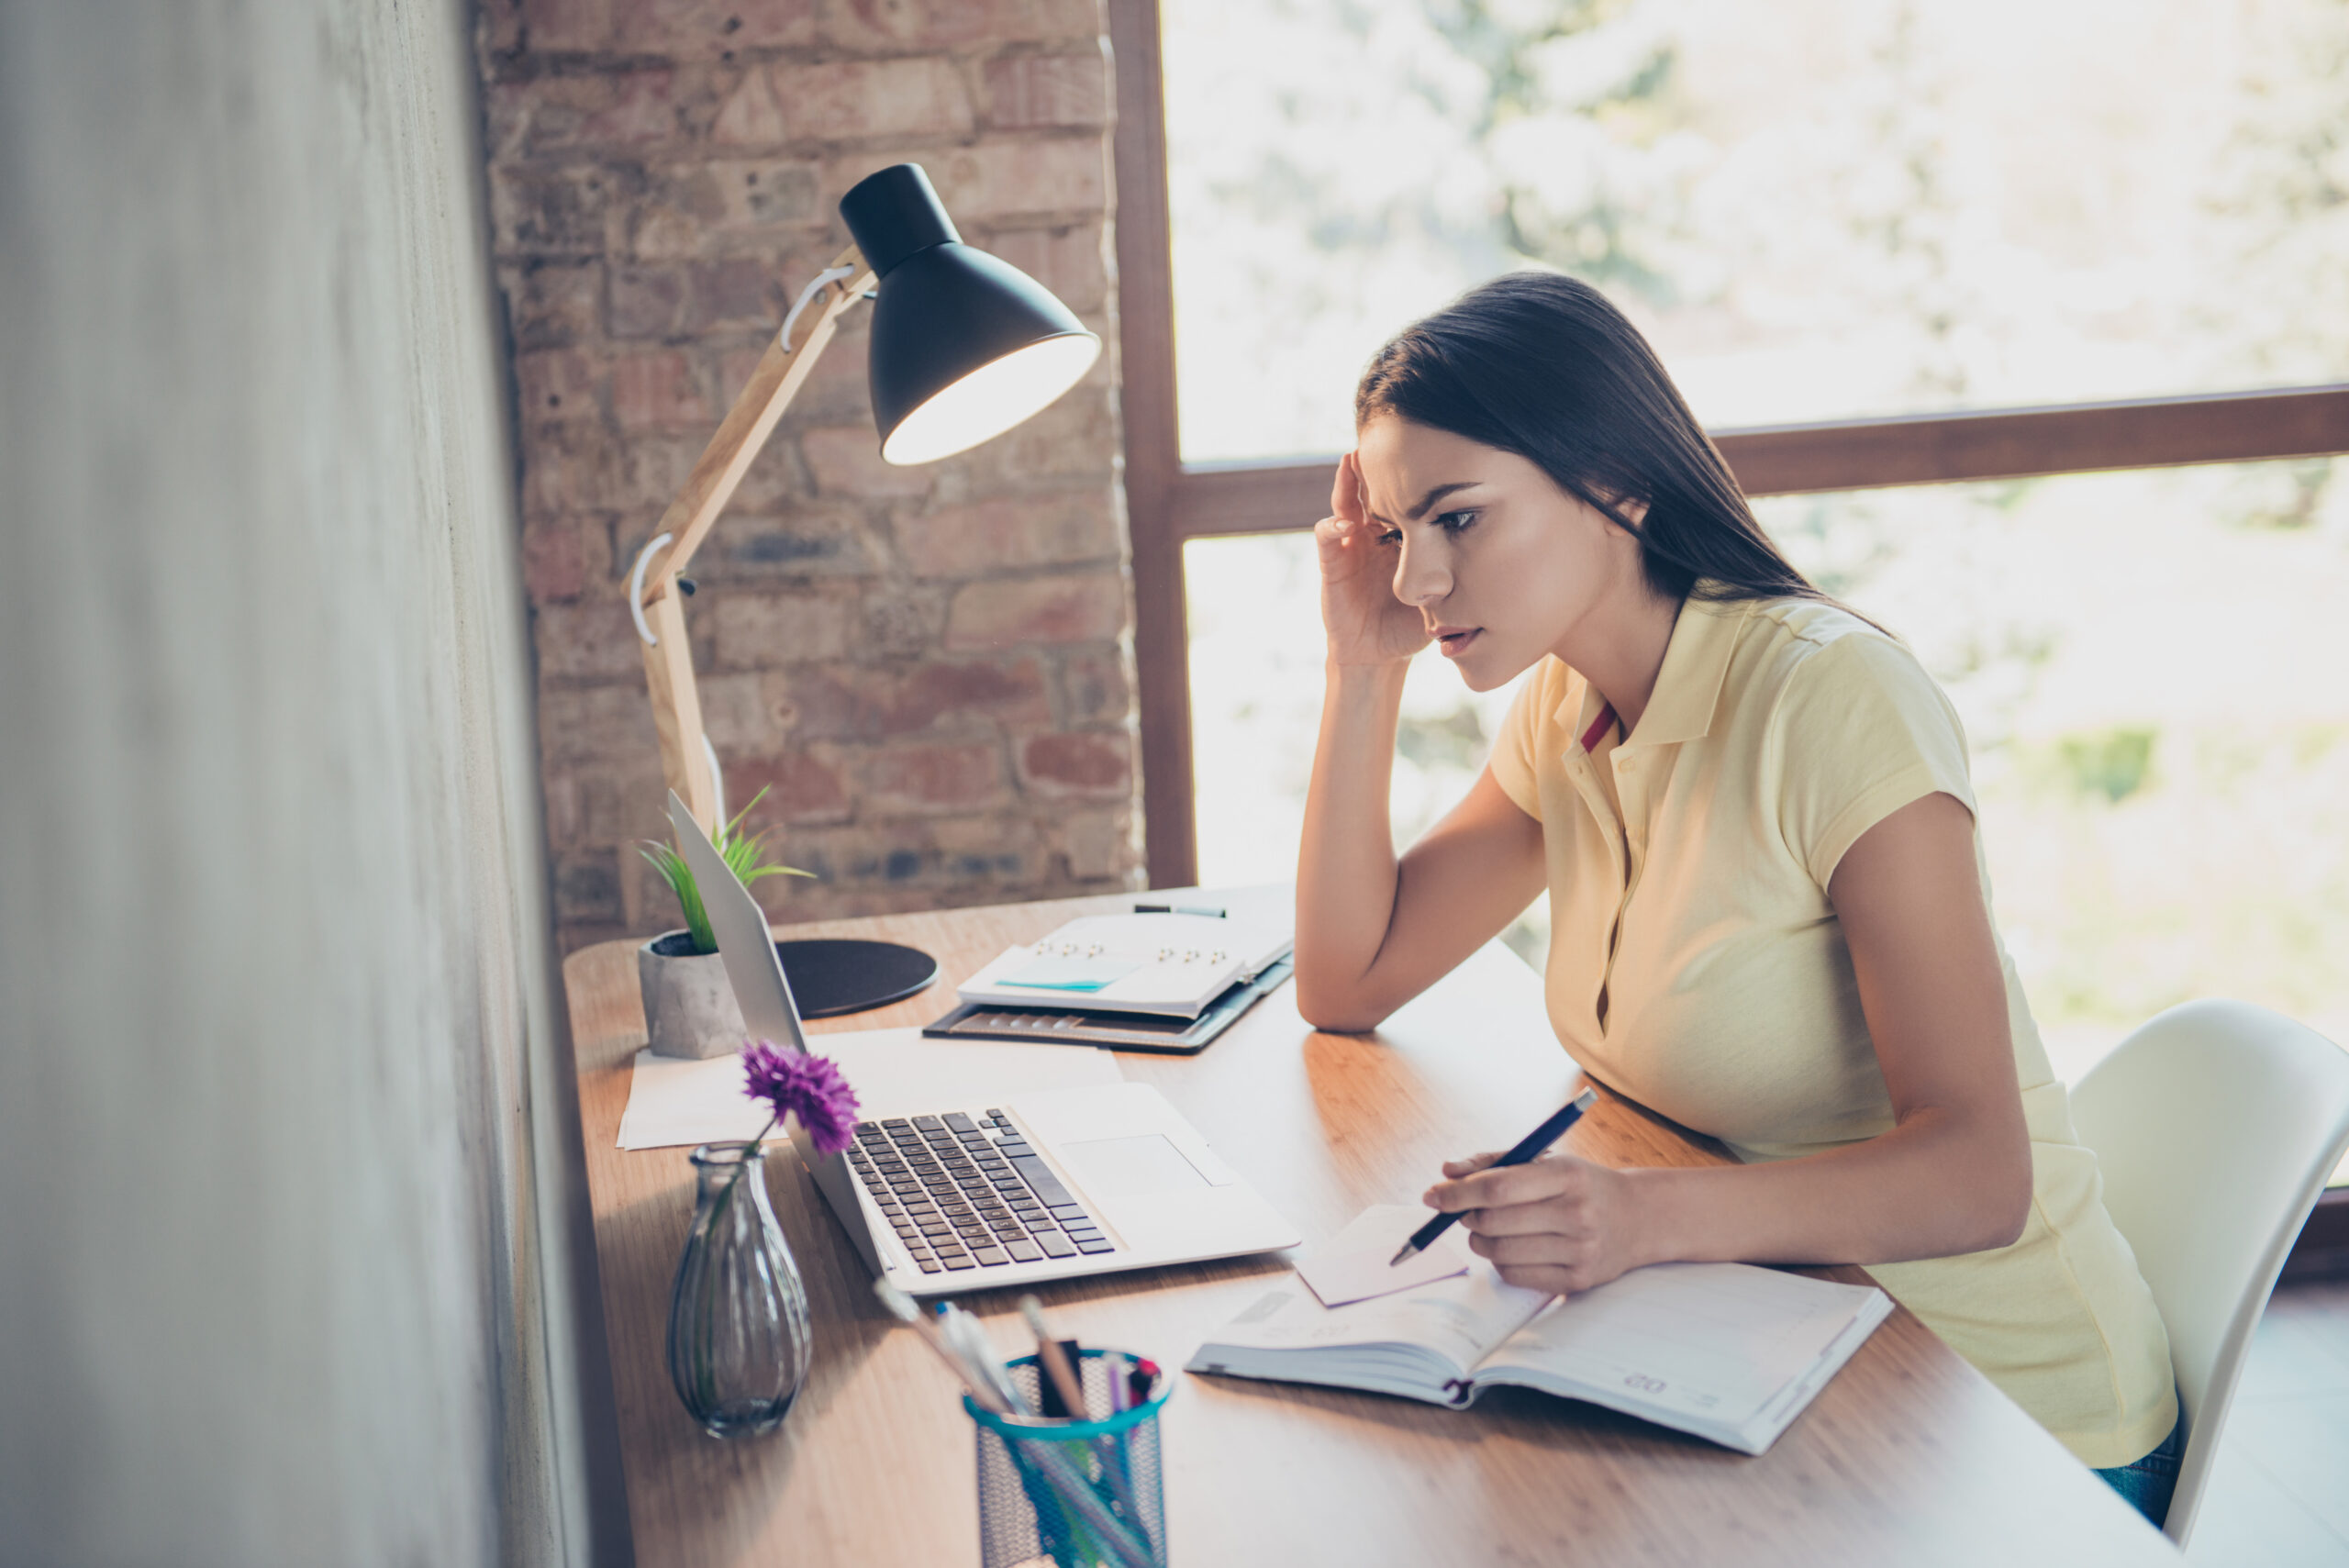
pixel 1429 500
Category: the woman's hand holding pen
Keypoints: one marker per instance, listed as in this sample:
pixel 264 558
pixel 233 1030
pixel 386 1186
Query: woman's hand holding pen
pixel 1558 1224
pixel 1366 623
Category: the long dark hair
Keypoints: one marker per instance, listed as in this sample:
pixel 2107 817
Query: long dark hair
pixel 1541 365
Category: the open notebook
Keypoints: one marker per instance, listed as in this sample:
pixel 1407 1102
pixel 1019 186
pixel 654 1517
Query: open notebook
pixel 1725 1350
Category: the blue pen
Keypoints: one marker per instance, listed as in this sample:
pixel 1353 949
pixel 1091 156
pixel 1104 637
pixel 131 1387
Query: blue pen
pixel 1528 1150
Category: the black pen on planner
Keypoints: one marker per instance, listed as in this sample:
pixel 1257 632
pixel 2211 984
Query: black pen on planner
pixel 1529 1149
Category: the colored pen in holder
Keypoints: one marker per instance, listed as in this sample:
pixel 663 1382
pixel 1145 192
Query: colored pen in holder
pixel 1082 1493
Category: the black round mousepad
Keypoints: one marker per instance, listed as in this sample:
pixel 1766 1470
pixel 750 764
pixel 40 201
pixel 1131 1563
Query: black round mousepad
pixel 830 976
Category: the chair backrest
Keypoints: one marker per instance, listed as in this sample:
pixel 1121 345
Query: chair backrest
pixel 2215 1125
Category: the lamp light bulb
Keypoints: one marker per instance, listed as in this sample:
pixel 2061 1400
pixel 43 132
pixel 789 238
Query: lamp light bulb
pixel 991 399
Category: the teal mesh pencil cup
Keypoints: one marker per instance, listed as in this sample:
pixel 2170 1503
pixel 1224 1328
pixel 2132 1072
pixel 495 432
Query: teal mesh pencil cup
pixel 1072 1493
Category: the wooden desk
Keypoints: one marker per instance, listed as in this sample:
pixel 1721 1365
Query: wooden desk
pixel 1910 1456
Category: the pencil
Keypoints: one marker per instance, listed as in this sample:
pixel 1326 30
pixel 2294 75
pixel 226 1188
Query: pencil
pixel 1053 1360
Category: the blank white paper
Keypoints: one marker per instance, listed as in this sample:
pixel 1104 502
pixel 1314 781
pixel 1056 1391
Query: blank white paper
pixel 1352 1265
pixel 893 1073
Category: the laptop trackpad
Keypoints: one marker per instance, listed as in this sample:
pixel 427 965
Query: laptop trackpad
pixel 1145 1166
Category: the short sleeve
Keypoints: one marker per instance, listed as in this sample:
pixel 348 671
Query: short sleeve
pixel 1862 731
pixel 1516 750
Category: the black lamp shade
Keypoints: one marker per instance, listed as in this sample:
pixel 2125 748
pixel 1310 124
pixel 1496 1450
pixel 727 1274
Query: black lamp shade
pixel 965 345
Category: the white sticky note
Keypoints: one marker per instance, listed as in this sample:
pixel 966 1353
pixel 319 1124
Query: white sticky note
pixel 1352 1265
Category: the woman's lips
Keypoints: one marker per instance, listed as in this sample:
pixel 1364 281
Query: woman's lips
pixel 1454 641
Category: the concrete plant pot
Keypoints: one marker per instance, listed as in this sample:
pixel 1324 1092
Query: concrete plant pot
pixel 689 1006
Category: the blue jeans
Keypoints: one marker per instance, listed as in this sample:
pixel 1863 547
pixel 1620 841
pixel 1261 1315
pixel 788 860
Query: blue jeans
pixel 2148 1483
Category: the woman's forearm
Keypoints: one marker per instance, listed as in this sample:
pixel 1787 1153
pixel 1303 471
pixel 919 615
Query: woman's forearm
pixel 1941 1183
pixel 1346 866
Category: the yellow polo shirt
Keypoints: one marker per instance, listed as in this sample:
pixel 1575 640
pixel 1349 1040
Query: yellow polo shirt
pixel 1697 966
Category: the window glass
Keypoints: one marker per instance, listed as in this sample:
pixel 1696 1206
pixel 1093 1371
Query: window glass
pixel 1256 681
pixel 2148 666
pixel 1816 209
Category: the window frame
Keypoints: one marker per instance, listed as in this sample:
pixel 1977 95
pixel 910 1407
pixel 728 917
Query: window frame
pixel 1170 502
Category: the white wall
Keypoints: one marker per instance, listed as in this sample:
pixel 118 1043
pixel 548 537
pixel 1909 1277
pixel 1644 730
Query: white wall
pixel 286 1223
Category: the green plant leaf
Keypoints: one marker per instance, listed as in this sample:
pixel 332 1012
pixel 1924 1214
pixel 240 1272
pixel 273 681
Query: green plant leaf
pixel 680 878
pixel 745 856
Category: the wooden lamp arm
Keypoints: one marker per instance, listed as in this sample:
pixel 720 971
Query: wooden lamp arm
pixel 668 656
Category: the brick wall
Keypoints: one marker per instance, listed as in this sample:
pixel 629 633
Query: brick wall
pixel 929 669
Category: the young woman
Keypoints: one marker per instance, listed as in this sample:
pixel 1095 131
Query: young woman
pixel 1770 917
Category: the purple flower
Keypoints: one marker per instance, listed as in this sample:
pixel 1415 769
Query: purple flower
pixel 810 1087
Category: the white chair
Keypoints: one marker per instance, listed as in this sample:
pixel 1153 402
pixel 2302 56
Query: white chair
pixel 2216 1125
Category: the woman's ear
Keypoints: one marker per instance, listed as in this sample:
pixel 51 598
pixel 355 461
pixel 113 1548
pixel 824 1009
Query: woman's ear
pixel 1630 509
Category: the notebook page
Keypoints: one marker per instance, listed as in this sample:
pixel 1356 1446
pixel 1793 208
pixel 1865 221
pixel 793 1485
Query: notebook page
pixel 1715 1340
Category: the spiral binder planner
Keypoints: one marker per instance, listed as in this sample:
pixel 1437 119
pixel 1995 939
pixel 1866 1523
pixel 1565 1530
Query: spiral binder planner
pixel 1118 1031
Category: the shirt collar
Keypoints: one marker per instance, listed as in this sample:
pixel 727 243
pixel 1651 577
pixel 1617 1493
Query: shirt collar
pixel 1687 686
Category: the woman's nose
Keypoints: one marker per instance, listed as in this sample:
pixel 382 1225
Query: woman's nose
pixel 1420 575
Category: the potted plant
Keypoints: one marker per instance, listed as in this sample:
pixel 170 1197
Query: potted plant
pixel 689 1006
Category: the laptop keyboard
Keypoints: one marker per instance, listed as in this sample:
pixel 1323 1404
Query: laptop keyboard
pixel 970 1192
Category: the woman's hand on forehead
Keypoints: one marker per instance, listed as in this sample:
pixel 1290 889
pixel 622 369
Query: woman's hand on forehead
pixel 1365 623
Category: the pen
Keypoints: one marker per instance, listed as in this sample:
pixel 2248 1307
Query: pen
pixel 1053 1358
pixel 1121 1547
pixel 1527 1149
pixel 964 1333
pixel 903 1305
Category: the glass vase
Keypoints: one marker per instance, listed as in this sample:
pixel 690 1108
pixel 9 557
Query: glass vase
pixel 738 1314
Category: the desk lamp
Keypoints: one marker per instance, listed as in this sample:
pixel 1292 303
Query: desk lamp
pixel 964 346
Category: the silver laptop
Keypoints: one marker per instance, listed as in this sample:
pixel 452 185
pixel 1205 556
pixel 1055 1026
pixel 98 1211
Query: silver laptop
pixel 1033 1186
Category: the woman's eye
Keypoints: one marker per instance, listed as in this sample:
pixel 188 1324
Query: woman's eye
pixel 1392 536
pixel 1453 522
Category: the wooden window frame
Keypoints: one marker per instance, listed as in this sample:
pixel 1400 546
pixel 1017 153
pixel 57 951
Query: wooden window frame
pixel 1169 503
